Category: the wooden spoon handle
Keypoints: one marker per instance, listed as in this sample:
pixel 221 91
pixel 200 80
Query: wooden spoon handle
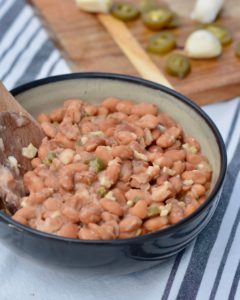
pixel 133 50
pixel 9 104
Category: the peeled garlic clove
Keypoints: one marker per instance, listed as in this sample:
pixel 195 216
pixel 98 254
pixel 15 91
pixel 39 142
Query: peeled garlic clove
pixel 206 11
pixel 202 44
pixel 95 6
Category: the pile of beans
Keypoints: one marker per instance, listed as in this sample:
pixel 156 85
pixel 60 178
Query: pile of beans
pixel 112 171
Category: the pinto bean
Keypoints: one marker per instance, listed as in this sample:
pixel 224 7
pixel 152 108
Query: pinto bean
pixel 110 103
pixel 144 108
pixel 166 120
pixel 71 213
pixel 191 205
pixel 25 212
pixel 176 183
pixel 125 106
pixel 194 159
pixel 52 204
pixel 46 147
pixel 69 230
pixel 156 133
pixel 198 190
pixel 126 171
pixel 111 206
pixel 33 182
pixel 155 223
pixel 62 140
pixel 195 175
pixel 148 121
pixel 107 216
pixel 124 137
pixel 20 219
pixel 162 178
pixel 104 153
pixel 91 110
pixel 139 210
pixel 57 115
pixel 176 146
pixel 162 160
pixel 175 155
pixel 49 129
pixel 73 112
pixel 70 131
pixel 176 213
pixel 169 137
pixel 161 193
pixel 130 223
pixel 50 224
pixel 90 214
pixel 179 167
pixel 66 180
pixel 88 127
pixel 36 162
pixel 105 231
pixel 124 152
pixel 88 234
pixel 43 118
pixel 132 118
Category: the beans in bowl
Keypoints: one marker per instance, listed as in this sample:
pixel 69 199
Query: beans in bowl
pixel 112 171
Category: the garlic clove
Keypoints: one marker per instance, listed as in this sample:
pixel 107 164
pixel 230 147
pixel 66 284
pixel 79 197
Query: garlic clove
pixel 206 11
pixel 95 6
pixel 202 44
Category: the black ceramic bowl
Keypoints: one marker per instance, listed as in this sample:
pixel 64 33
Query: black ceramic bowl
pixel 125 255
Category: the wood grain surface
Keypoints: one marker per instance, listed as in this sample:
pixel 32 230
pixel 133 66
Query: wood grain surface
pixel 17 130
pixel 88 46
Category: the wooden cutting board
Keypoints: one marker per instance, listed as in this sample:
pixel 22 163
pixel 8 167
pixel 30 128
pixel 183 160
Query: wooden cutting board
pixel 87 46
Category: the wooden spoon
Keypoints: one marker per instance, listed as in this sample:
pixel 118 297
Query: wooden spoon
pixel 17 130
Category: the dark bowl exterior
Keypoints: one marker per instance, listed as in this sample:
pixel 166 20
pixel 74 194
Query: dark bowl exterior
pixel 118 256
pixel 111 257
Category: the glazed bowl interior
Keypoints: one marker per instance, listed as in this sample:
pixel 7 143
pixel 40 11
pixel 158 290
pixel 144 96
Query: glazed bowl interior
pixel 47 94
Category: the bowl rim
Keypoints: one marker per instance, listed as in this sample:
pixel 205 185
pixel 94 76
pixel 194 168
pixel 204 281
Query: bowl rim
pixel 149 84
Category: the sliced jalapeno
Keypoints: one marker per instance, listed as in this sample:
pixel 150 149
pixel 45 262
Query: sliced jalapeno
pixel 125 12
pixel 178 65
pixel 157 18
pixel 222 33
pixel 97 165
pixel 161 43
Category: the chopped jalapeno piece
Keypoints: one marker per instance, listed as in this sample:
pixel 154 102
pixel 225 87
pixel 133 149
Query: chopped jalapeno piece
pixel 157 18
pixel 153 211
pixel 49 158
pixel 222 33
pixel 101 191
pixel 78 143
pixel 97 165
pixel 237 50
pixel 125 12
pixel 136 198
pixel 178 65
pixel 161 43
